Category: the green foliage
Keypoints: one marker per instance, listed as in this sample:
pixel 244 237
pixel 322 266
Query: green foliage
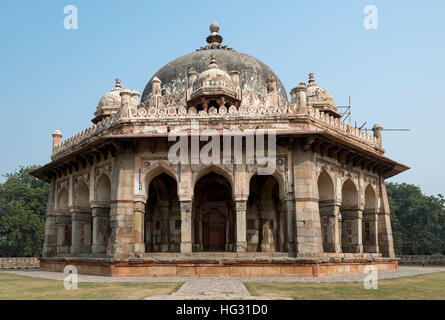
pixel 23 200
pixel 418 221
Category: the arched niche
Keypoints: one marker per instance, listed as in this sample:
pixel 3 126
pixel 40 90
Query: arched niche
pixel 103 189
pixel 82 196
pixel 349 194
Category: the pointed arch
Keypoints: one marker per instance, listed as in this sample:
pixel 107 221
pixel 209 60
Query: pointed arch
pixel 326 189
pixel 215 169
pixel 370 198
pixel 349 194
pixel 103 189
pixel 63 200
pixel 82 195
pixel 279 179
pixel 155 171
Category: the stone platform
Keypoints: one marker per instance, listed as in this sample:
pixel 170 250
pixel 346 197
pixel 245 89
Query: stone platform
pixel 222 264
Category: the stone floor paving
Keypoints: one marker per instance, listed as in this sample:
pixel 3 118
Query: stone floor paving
pixel 222 288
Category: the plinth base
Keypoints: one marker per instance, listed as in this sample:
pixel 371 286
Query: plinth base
pixel 234 265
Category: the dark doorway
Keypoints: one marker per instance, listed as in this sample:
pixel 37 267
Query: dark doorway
pixel 213 214
pixel 214 232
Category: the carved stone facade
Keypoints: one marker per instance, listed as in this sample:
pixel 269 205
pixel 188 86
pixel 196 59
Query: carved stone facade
pixel 116 195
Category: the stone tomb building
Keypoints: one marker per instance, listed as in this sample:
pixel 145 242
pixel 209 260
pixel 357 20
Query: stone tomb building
pixel 119 206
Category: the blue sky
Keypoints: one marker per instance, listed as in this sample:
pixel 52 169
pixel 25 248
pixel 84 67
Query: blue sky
pixel 52 78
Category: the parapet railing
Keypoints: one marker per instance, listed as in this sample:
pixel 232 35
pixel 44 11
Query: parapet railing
pixel 343 126
pixel 142 112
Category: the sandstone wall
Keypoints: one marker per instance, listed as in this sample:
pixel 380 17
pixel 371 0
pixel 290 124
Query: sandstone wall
pixel 19 263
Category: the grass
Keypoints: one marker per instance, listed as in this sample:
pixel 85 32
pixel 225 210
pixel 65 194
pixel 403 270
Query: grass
pixel 15 287
pixel 422 287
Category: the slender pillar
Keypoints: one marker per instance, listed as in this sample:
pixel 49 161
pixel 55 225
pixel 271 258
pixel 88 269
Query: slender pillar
pixel 186 226
pixel 370 231
pixel 290 212
pixel 50 242
pixel 165 226
pixel 201 246
pixel 148 232
pixel 282 231
pixel 63 222
pixel 80 232
pixel 101 217
pixel 385 239
pixel 241 243
pixel 227 234
pixel 331 212
pixel 138 227
pixel 352 230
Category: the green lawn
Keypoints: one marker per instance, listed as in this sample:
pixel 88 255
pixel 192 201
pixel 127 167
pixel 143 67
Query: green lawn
pixel 14 287
pixel 430 286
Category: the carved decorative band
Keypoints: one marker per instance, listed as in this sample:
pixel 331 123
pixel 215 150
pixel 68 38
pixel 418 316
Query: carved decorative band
pixel 121 201
pixel 306 200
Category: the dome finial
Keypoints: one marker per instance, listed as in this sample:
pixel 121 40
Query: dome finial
pixel 118 83
pixel 213 64
pixel 214 38
pixel 214 27
pixel 312 79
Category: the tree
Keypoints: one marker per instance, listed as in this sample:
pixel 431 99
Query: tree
pixel 418 221
pixel 23 200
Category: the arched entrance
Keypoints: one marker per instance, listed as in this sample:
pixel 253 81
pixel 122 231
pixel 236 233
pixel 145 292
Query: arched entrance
pixel 370 227
pixel 351 219
pixel 266 221
pixel 213 214
pixel 162 216
pixel 329 213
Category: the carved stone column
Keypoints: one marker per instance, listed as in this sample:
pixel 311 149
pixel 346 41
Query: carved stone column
pixel 63 222
pixel 290 215
pixel 385 239
pixel 80 232
pixel 331 212
pixel 121 239
pixel 241 243
pixel 165 226
pixel 50 243
pixel 101 220
pixel 282 234
pixel 186 226
pixel 148 232
pixel 227 245
pixel 370 231
pixel 138 227
pixel 307 228
pixel 352 230
pixel 201 245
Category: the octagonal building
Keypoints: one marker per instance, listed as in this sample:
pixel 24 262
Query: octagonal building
pixel 214 170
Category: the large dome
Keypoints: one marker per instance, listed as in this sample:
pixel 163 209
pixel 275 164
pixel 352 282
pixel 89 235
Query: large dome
pixel 253 72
